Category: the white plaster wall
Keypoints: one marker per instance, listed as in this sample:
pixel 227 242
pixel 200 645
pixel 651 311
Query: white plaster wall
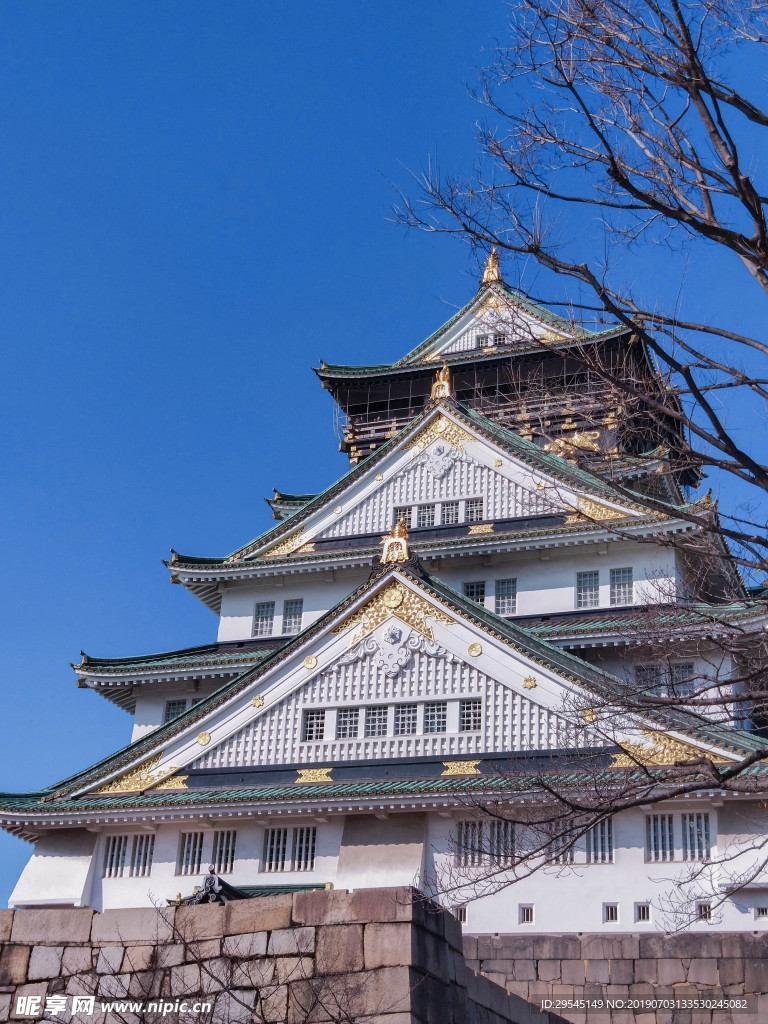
pixel 58 872
pixel 150 704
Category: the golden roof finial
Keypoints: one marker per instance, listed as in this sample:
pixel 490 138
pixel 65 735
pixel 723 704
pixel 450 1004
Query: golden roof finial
pixel 491 271
pixel 442 385
pixel 395 544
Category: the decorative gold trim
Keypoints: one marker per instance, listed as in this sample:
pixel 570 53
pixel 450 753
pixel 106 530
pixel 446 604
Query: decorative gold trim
pixel 461 768
pixel 204 738
pixel 337 509
pixel 665 752
pixel 310 661
pixel 479 528
pixel 174 783
pixel 474 650
pixel 305 549
pixel 497 463
pixel 441 429
pixel 529 683
pixel 589 715
pixel 287 546
pixel 379 476
pixel 491 270
pixel 137 779
pixel 314 774
pixel 395 544
pixel 587 509
pixel 257 702
pixel 394 601
pixel 441 388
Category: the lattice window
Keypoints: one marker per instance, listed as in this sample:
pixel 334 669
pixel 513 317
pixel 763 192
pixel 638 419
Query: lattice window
pixel 501 842
pixel 223 858
pixel 264 618
pixel 588 589
pixel 405 719
pixel 473 510
pixel 526 914
pixel 469 844
pixel 622 590
pixel 190 853
pixel 561 850
pixel 141 855
pixel 402 512
pixel 275 849
pixel 610 913
pixel 376 720
pixel 659 837
pixel 449 513
pixel 304 842
pixel 600 842
pixel 425 515
pixel 475 591
pixel 173 708
pixel 292 615
pixel 506 597
pixel 650 679
pixel 704 912
pixel 313 725
pixel 436 716
pixel 643 912
pixel 347 723
pixel 471 715
pixel 115 854
pixel 683 673
pixel 696 837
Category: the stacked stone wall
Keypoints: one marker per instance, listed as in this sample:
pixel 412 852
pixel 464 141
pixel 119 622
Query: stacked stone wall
pixel 638 969
pixel 382 956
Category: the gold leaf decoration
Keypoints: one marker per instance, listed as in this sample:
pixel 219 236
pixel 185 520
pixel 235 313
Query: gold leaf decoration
pixel 480 528
pixel 287 546
pixel 474 650
pixel 461 768
pixel 589 714
pixel 257 702
pixel 137 779
pixel 441 429
pixel 310 661
pixel 176 782
pixel 314 774
pixel 394 601
pixel 664 752
pixel 204 738
pixel 529 682
pixel 587 509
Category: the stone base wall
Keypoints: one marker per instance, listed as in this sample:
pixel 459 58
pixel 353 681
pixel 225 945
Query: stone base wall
pixel 383 956
pixel 620 968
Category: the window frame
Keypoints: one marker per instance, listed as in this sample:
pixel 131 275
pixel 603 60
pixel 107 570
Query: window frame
pixel 592 588
pixel 311 718
pixel 262 618
pixel 499 594
pixel 292 622
pixel 443 716
pixel 618 587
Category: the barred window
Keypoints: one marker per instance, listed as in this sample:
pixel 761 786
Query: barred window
pixel 682 678
pixel 347 723
pixel 471 715
pixel 588 589
pixel 600 842
pixel 425 515
pixel 313 725
pixel 561 850
pixel 506 597
pixel 190 853
pixel 263 618
pixel 223 858
pixel 501 842
pixel 141 855
pixel 696 840
pixel 643 912
pixel 116 863
pixel 304 841
pixel 475 591
pixel 611 913
pixel 275 849
pixel 449 513
pixel 376 720
pixel 473 510
pixel 704 911
pixel 405 719
pixel 292 615
pixel 402 512
pixel 174 708
pixel 114 857
pixel 526 913
pixel 659 837
pixel 650 679
pixel 469 844
pixel 436 717
pixel 622 591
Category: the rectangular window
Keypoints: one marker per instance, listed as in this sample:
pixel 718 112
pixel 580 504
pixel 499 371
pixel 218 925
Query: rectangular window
pixel 526 913
pixel 475 591
pixel 473 510
pixel 659 837
pixel 682 678
pixel 313 725
pixel 402 512
pixel 761 912
pixel 696 842
pixel 704 911
pixel 376 720
pixel 449 513
pixel 223 858
pixel 141 855
pixel 469 844
pixel 263 618
pixel 190 853
pixel 292 615
pixel 642 912
pixel 460 913
pixel 471 715
pixel 425 515
pixel 610 913
pixel 114 857
pixel 275 848
pixel 501 842
pixel 482 340
pixel 173 708
pixel 506 597
pixel 561 850
pixel 436 717
pixel 600 842
pixel 621 587
pixel 405 719
pixel 588 589
pixel 304 840
pixel 347 723
pixel 650 680
pixel 499 339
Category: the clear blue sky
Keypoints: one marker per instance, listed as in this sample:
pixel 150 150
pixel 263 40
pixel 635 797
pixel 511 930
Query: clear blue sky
pixel 194 204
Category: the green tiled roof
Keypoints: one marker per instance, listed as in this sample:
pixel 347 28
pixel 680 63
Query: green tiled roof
pixel 188 657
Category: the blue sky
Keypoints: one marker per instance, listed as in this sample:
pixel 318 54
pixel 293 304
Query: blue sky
pixel 194 210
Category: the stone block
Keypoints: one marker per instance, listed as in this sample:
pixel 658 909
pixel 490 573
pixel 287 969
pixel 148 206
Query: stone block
pixel 291 941
pixel 38 989
pixel 339 949
pixel 185 979
pixel 253 973
pixel 548 970
pixel 110 959
pixel 524 970
pixel 557 947
pixel 646 971
pixel 54 927
pixel 45 962
pixel 205 921
pixel 242 946
pixel 755 976
pixel 83 984
pixel 453 935
pixel 139 958
pixel 133 926
pixel 272 1003
pixel 261 914
pixel 5 1000
pixel 14 962
pixel 731 971
pixel 170 956
pixel 469 946
pixel 114 986
pixel 670 971
pixel 6 923
pixel 387 945
pixel 145 984
pixel 601 947
pixel 703 971
pixel 393 904
pixel 621 972
pixel 76 959
pixel 290 969
pixel 572 972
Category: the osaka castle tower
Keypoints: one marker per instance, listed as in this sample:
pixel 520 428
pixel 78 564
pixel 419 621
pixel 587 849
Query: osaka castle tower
pixel 459 665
